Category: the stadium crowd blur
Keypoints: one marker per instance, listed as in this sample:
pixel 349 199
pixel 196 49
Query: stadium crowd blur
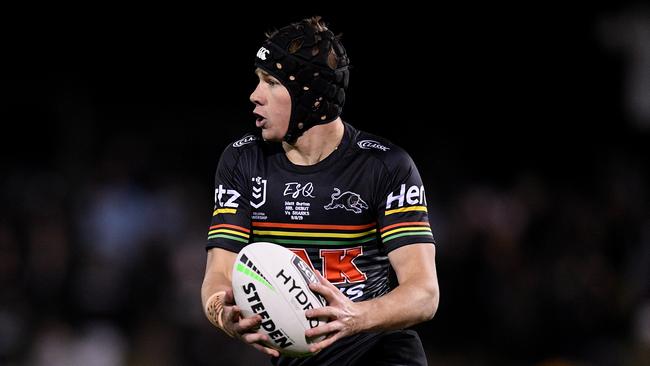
pixel 541 209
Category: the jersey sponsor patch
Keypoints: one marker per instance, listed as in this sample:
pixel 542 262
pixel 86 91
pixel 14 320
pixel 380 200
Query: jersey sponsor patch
pixel 244 141
pixel 225 199
pixel 338 264
pixel 413 197
pixel 372 144
pixel 296 189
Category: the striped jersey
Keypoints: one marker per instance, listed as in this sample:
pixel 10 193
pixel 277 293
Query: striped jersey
pixel 342 215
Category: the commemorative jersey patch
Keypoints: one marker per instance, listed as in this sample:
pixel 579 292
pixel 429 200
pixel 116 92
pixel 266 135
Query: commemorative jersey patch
pixel 298 198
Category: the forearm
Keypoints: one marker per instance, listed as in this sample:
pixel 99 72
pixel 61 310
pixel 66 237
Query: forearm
pixel 416 297
pixel 216 283
pixel 213 291
pixel 414 300
pixel 406 305
pixel 211 285
pixel 217 273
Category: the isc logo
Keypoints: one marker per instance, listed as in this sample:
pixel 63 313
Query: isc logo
pixel 219 192
pixel 413 196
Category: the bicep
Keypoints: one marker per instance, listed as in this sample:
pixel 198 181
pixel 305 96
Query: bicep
pixel 415 263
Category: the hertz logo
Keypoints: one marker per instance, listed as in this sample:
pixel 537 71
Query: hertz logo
pixel 219 194
pixel 413 196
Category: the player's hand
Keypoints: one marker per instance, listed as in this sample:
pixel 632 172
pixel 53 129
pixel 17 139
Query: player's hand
pixel 343 314
pixel 245 329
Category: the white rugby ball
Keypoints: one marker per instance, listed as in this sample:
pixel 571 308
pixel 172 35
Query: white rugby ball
pixel 271 281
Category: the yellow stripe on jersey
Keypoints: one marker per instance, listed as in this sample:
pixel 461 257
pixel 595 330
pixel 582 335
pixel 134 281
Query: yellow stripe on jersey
pixel 405 209
pixel 224 211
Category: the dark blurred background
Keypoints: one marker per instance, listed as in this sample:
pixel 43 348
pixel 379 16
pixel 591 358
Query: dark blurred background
pixel 530 127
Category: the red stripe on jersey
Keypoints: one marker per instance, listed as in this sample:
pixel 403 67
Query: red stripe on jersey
pixel 230 226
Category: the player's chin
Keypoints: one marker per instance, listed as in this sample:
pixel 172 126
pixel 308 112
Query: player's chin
pixel 271 135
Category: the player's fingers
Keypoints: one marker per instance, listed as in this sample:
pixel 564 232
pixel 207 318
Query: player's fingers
pixel 323 281
pixel 231 318
pixel 246 324
pixel 328 312
pixel 268 351
pixel 254 337
pixel 327 292
pixel 232 313
pixel 324 329
pixel 316 347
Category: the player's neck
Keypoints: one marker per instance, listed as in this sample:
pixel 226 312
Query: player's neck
pixel 316 144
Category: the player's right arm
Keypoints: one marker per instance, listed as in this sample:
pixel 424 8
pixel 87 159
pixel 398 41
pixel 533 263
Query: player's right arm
pixel 219 304
pixel 229 232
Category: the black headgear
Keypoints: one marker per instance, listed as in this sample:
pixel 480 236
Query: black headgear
pixel 297 56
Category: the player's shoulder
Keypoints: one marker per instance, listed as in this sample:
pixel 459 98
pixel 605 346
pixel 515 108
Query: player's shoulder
pixel 249 143
pixel 381 148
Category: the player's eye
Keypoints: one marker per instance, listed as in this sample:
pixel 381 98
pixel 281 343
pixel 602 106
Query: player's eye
pixel 272 82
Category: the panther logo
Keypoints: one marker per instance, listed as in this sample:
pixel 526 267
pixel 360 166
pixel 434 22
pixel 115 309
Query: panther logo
pixel 349 201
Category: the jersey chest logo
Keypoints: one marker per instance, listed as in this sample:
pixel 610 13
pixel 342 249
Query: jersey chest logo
pixel 295 190
pixel 348 201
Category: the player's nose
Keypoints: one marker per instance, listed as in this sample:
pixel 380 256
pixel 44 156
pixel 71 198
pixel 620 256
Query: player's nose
pixel 257 96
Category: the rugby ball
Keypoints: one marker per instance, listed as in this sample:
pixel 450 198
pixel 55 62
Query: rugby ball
pixel 271 281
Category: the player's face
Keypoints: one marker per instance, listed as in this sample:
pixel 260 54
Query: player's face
pixel 272 106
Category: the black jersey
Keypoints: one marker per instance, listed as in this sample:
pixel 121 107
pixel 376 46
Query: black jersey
pixel 342 215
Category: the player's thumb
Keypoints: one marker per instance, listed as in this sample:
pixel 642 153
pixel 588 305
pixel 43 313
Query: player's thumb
pixel 228 298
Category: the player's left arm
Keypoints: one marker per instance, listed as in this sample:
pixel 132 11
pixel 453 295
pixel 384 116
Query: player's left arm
pixel 413 301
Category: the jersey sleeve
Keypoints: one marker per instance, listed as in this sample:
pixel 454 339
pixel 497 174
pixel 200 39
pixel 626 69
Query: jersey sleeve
pixel 402 208
pixel 231 219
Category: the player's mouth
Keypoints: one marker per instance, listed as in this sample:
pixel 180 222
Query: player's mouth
pixel 260 120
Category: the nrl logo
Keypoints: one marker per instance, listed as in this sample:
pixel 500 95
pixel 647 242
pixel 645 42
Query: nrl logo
pixel 259 192
pixel 372 144
pixel 244 141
